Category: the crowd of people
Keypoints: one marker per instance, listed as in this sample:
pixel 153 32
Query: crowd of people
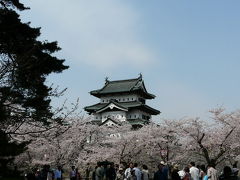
pixel 116 172
pixel 111 171
pixel 49 174
pixel 165 172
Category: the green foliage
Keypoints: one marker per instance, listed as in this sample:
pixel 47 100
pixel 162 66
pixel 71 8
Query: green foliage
pixel 9 149
pixel 12 4
pixel 25 63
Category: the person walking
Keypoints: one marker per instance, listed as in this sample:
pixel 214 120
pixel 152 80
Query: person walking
pixel 78 175
pixel 145 173
pixel 235 169
pixel 212 172
pixel 137 171
pixel 159 175
pixel 202 172
pixel 58 173
pixel 72 174
pixel 120 174
pixel 194 171
pixel 111 172
pixel 165 170
pixel 50 175
pixel 206 175
pixel 174 173
pixel 187 175
pixel 99 173
pixel 128 171
pixel 228 174
pixel 44 172
pixel 94 173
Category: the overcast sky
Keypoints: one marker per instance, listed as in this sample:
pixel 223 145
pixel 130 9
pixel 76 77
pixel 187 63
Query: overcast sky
pixel 188 51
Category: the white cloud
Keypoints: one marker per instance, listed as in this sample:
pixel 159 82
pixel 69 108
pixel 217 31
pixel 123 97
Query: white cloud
pixel 103 34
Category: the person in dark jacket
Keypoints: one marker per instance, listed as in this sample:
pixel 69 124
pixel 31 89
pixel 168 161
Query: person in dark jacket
pixel 227 174
pixel 44 172
pixel 111 172
pixel 159 175
pixel 174 174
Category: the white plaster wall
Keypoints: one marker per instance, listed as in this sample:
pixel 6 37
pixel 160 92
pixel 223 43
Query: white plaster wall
pixel 119 115
pixel 97 116
pixel 120 98
pixel 136 114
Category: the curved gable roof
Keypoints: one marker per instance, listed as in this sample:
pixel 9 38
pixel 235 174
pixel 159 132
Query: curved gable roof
pixel 112 104
pixel 121 86
pixel 123 105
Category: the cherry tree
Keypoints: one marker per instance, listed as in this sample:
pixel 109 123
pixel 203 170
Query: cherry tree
pixel 213 142
pixel 59 146
pixel 80 142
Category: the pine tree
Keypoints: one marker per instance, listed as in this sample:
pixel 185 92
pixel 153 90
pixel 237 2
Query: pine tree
pixel 25 62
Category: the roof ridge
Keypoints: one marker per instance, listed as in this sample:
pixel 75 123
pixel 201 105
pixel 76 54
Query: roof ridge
pixel 136 83
pixel 124 80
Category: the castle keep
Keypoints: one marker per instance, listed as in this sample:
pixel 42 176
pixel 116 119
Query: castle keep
pixel 122 100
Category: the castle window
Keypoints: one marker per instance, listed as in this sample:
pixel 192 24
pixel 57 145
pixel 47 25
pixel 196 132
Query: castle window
pixel 123 99
pixel 132 99
pixel 130 116
pixel 128 99
pixel 135 116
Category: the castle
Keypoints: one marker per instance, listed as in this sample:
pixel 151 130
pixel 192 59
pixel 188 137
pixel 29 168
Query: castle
pixel 122 100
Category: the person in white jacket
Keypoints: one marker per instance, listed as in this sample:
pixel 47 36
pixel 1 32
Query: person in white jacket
pixel 194 171
pixel 212 172
pixel 128 171
pixel 145 173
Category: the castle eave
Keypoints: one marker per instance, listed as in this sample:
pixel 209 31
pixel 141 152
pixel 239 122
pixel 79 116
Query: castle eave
pixel 123 106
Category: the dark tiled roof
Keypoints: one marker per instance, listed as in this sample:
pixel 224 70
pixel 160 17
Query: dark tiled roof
pixel 150 109
pixel 137 121
pixel 124 104
pixel 95 107
pixel 127 105
pixel 121 86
